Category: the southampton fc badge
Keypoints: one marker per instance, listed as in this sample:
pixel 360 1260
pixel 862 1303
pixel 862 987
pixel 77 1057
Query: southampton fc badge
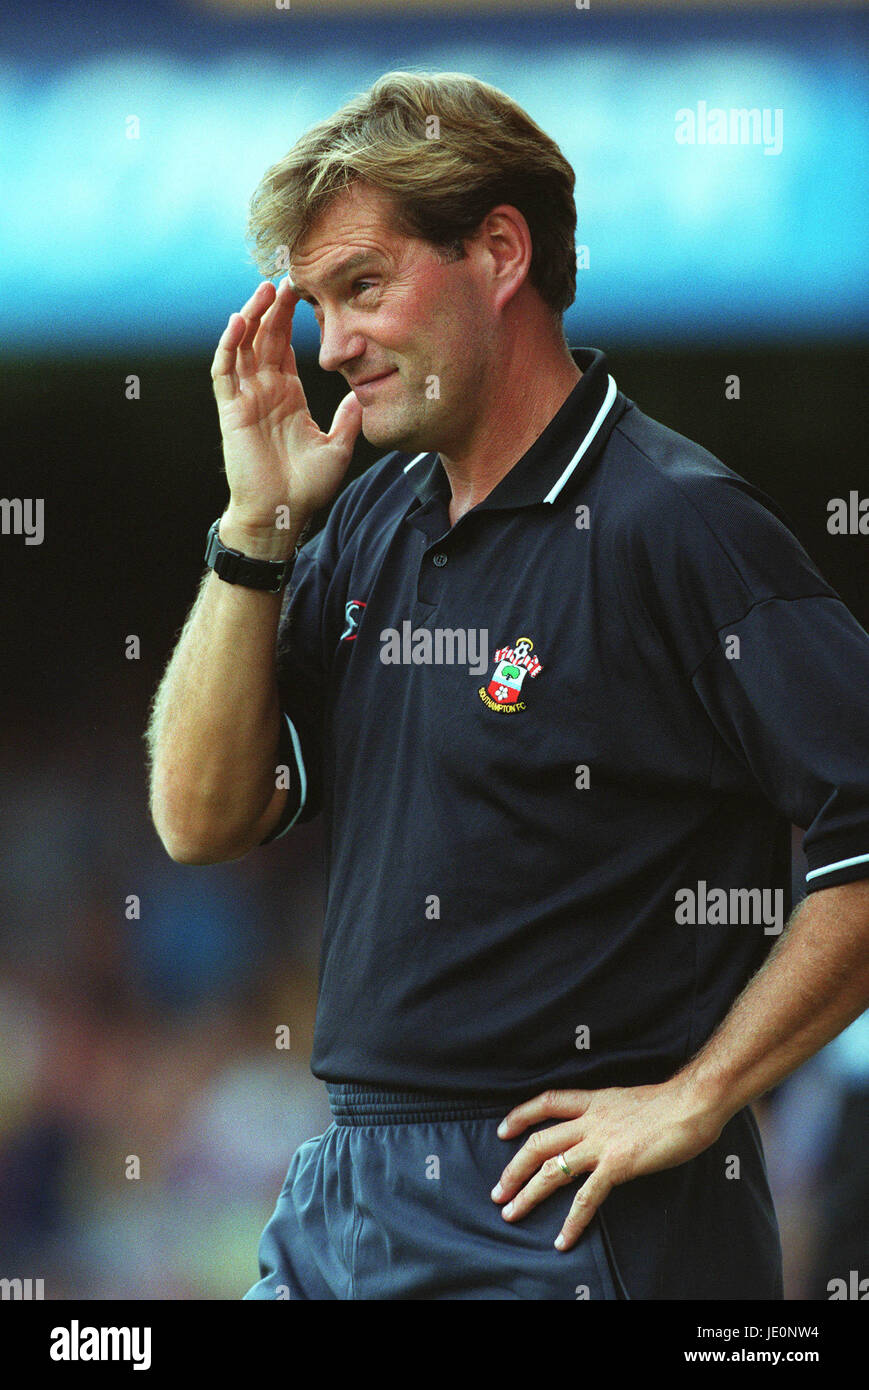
pixel 513 665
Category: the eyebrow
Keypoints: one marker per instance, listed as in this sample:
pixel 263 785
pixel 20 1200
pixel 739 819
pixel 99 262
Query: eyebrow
pixel 343 269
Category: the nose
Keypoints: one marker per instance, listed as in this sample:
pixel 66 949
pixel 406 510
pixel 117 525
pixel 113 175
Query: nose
pixel 340 342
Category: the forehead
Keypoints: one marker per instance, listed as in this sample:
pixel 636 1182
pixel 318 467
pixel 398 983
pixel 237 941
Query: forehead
pixel 358 222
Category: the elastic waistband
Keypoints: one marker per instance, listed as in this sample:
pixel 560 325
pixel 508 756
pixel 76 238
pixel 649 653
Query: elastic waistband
pixel 354 1103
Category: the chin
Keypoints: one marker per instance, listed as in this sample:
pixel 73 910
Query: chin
pixel 389 434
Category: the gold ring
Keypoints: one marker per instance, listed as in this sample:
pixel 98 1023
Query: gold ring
pixel 562 1163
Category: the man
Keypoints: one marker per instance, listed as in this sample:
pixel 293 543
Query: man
pixel 559 682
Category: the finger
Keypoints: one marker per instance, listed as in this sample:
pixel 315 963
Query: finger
pixel 589 1197
pixel 288 361
pixel 276 326
pixel 223 374
pixel 261 300
pixel 254 308
pixel 548 1179
pixel 550 1104
pixel 541 1145
pixel 347 421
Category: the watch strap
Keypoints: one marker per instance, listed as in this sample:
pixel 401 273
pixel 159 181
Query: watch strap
pixel 236 568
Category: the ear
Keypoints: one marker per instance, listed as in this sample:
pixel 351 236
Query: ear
pixel 505 241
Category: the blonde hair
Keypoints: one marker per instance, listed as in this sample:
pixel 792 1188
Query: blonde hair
pixel 447 148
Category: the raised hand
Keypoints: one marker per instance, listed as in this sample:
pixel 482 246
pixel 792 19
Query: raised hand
pixel 274 451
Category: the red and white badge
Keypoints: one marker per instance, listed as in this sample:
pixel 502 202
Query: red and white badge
pixel 513 665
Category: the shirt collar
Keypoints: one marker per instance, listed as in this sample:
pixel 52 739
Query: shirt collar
pixel 558 456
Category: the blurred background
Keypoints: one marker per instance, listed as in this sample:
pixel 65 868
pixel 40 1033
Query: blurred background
pixel 147 1116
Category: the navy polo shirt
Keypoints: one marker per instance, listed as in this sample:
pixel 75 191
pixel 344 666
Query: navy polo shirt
pixel 557 864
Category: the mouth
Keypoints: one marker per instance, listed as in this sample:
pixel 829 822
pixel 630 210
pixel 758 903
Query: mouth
pixel 363 389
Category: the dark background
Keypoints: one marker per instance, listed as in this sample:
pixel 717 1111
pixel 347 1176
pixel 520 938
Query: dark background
pixel 131 486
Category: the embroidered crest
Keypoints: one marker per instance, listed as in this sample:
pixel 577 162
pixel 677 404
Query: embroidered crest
pixel 513 665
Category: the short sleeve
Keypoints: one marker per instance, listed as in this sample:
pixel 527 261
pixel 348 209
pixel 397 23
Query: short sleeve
pixel 777 660
pixel 302 686
pixel 315 615
pixel 787 687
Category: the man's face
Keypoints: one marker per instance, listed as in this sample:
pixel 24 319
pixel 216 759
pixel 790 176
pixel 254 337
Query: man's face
pixel 389 307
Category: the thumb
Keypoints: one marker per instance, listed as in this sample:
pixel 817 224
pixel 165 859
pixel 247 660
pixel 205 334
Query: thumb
pixel 347 421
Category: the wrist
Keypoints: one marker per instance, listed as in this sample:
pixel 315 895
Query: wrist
pixel 258 540
pixel 703 1098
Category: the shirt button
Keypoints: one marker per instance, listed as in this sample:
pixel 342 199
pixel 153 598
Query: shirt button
pixel 440 559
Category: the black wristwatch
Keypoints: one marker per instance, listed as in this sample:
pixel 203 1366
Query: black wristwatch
pixel 235 568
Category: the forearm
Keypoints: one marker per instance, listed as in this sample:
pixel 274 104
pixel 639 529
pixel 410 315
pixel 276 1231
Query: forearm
pixel 813 984
pixel 215 724
pixel 214 728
